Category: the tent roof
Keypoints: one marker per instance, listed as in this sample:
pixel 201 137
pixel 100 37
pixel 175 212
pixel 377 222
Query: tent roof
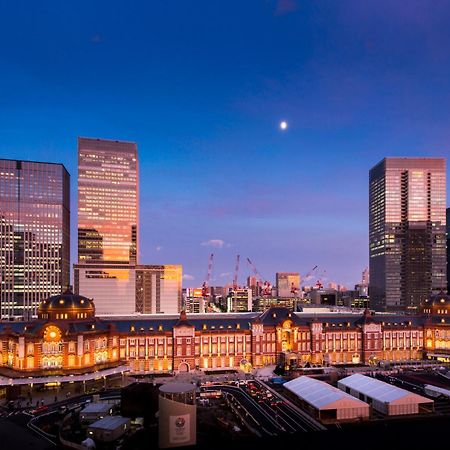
pixel 320 394
pixel 377 389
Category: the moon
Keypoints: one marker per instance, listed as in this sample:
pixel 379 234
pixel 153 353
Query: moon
pixel 283 125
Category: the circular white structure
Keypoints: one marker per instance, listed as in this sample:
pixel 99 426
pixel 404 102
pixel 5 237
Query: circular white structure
pixel 177 415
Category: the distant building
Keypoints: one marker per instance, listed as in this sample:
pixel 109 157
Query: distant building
pixel 356 298
pixel 365 278
pixel 111 286
pixel 124 289
pixel 254 285
pixel 323 297
pixel 261 304
pixel 34 235
pixel 194 300
pixel 158 289
pixel 288 284
pixel 239 300
pixel 107 201
pixel 406 231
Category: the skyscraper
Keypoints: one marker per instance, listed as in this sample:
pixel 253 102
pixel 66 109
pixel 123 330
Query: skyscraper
pixel 406 231
pixel 107 201
pixel 34 235
pixel 448 250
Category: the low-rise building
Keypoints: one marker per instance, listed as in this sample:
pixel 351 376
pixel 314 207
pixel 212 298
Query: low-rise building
pixel 95 411
pixel 384 397
pixel 68 339
pixel 109 428
pixel 325 402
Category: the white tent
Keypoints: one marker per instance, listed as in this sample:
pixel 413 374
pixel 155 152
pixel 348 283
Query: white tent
pixel 325 401
pixel 384 397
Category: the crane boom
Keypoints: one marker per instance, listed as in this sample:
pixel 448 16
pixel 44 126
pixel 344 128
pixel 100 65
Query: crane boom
pixel 205 287
pixel 255 271
pixel 236 272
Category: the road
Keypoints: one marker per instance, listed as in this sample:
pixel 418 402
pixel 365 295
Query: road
pixel 19 428
pixel 296 419
pixel 275 415
pixel 265 423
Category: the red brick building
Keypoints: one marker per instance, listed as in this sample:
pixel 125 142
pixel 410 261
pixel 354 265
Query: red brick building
pixel 67 338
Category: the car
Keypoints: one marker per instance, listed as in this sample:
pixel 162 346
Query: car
pixel 39 409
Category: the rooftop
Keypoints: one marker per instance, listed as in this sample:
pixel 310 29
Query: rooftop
pixel 377 389
pixel 318 393
pixel 110 422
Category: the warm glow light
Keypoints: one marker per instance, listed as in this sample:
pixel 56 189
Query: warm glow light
pixel 283 125
pixel 52 334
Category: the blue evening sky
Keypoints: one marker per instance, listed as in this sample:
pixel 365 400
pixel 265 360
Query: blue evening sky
pixel 201 86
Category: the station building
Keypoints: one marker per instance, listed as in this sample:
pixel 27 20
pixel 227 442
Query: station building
pixel 68 339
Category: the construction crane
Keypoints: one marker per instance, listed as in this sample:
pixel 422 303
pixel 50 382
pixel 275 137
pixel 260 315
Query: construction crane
pixel 236 272
pixel 206 294
pixel 295 290
pixel 308 274
pixel 266 287
pixel 319 284
pixel 235 282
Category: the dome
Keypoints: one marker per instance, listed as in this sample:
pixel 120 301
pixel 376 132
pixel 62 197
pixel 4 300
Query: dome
pixel 66 306
pixel 438 300
pixel 437 304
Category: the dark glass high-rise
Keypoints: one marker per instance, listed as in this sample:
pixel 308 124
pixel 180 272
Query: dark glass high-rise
pixel 34 235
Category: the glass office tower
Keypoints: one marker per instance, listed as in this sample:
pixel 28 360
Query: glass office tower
pixel 407 223
pixel 107 201
pixel 34 235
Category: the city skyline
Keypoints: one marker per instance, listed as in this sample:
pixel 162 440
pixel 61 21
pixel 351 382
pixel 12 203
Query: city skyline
pixel 353 86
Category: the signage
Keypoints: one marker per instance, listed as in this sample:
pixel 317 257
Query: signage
pixel 179 429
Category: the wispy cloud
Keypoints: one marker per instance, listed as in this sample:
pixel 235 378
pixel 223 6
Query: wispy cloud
pixel 158 248
pixel 96 39
pixel 218 243
pixel 224 274
pixel 188 277
pixel 285 7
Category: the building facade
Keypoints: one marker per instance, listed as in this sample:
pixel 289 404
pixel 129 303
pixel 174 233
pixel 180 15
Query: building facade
pixel 448 249
pixel 158 289
pixel 108 184
pixel 239 300
pixel 112 286
pixel 407 199
pixel 124 290
pixel 34 235
pixel 288 284
pixel 68 338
